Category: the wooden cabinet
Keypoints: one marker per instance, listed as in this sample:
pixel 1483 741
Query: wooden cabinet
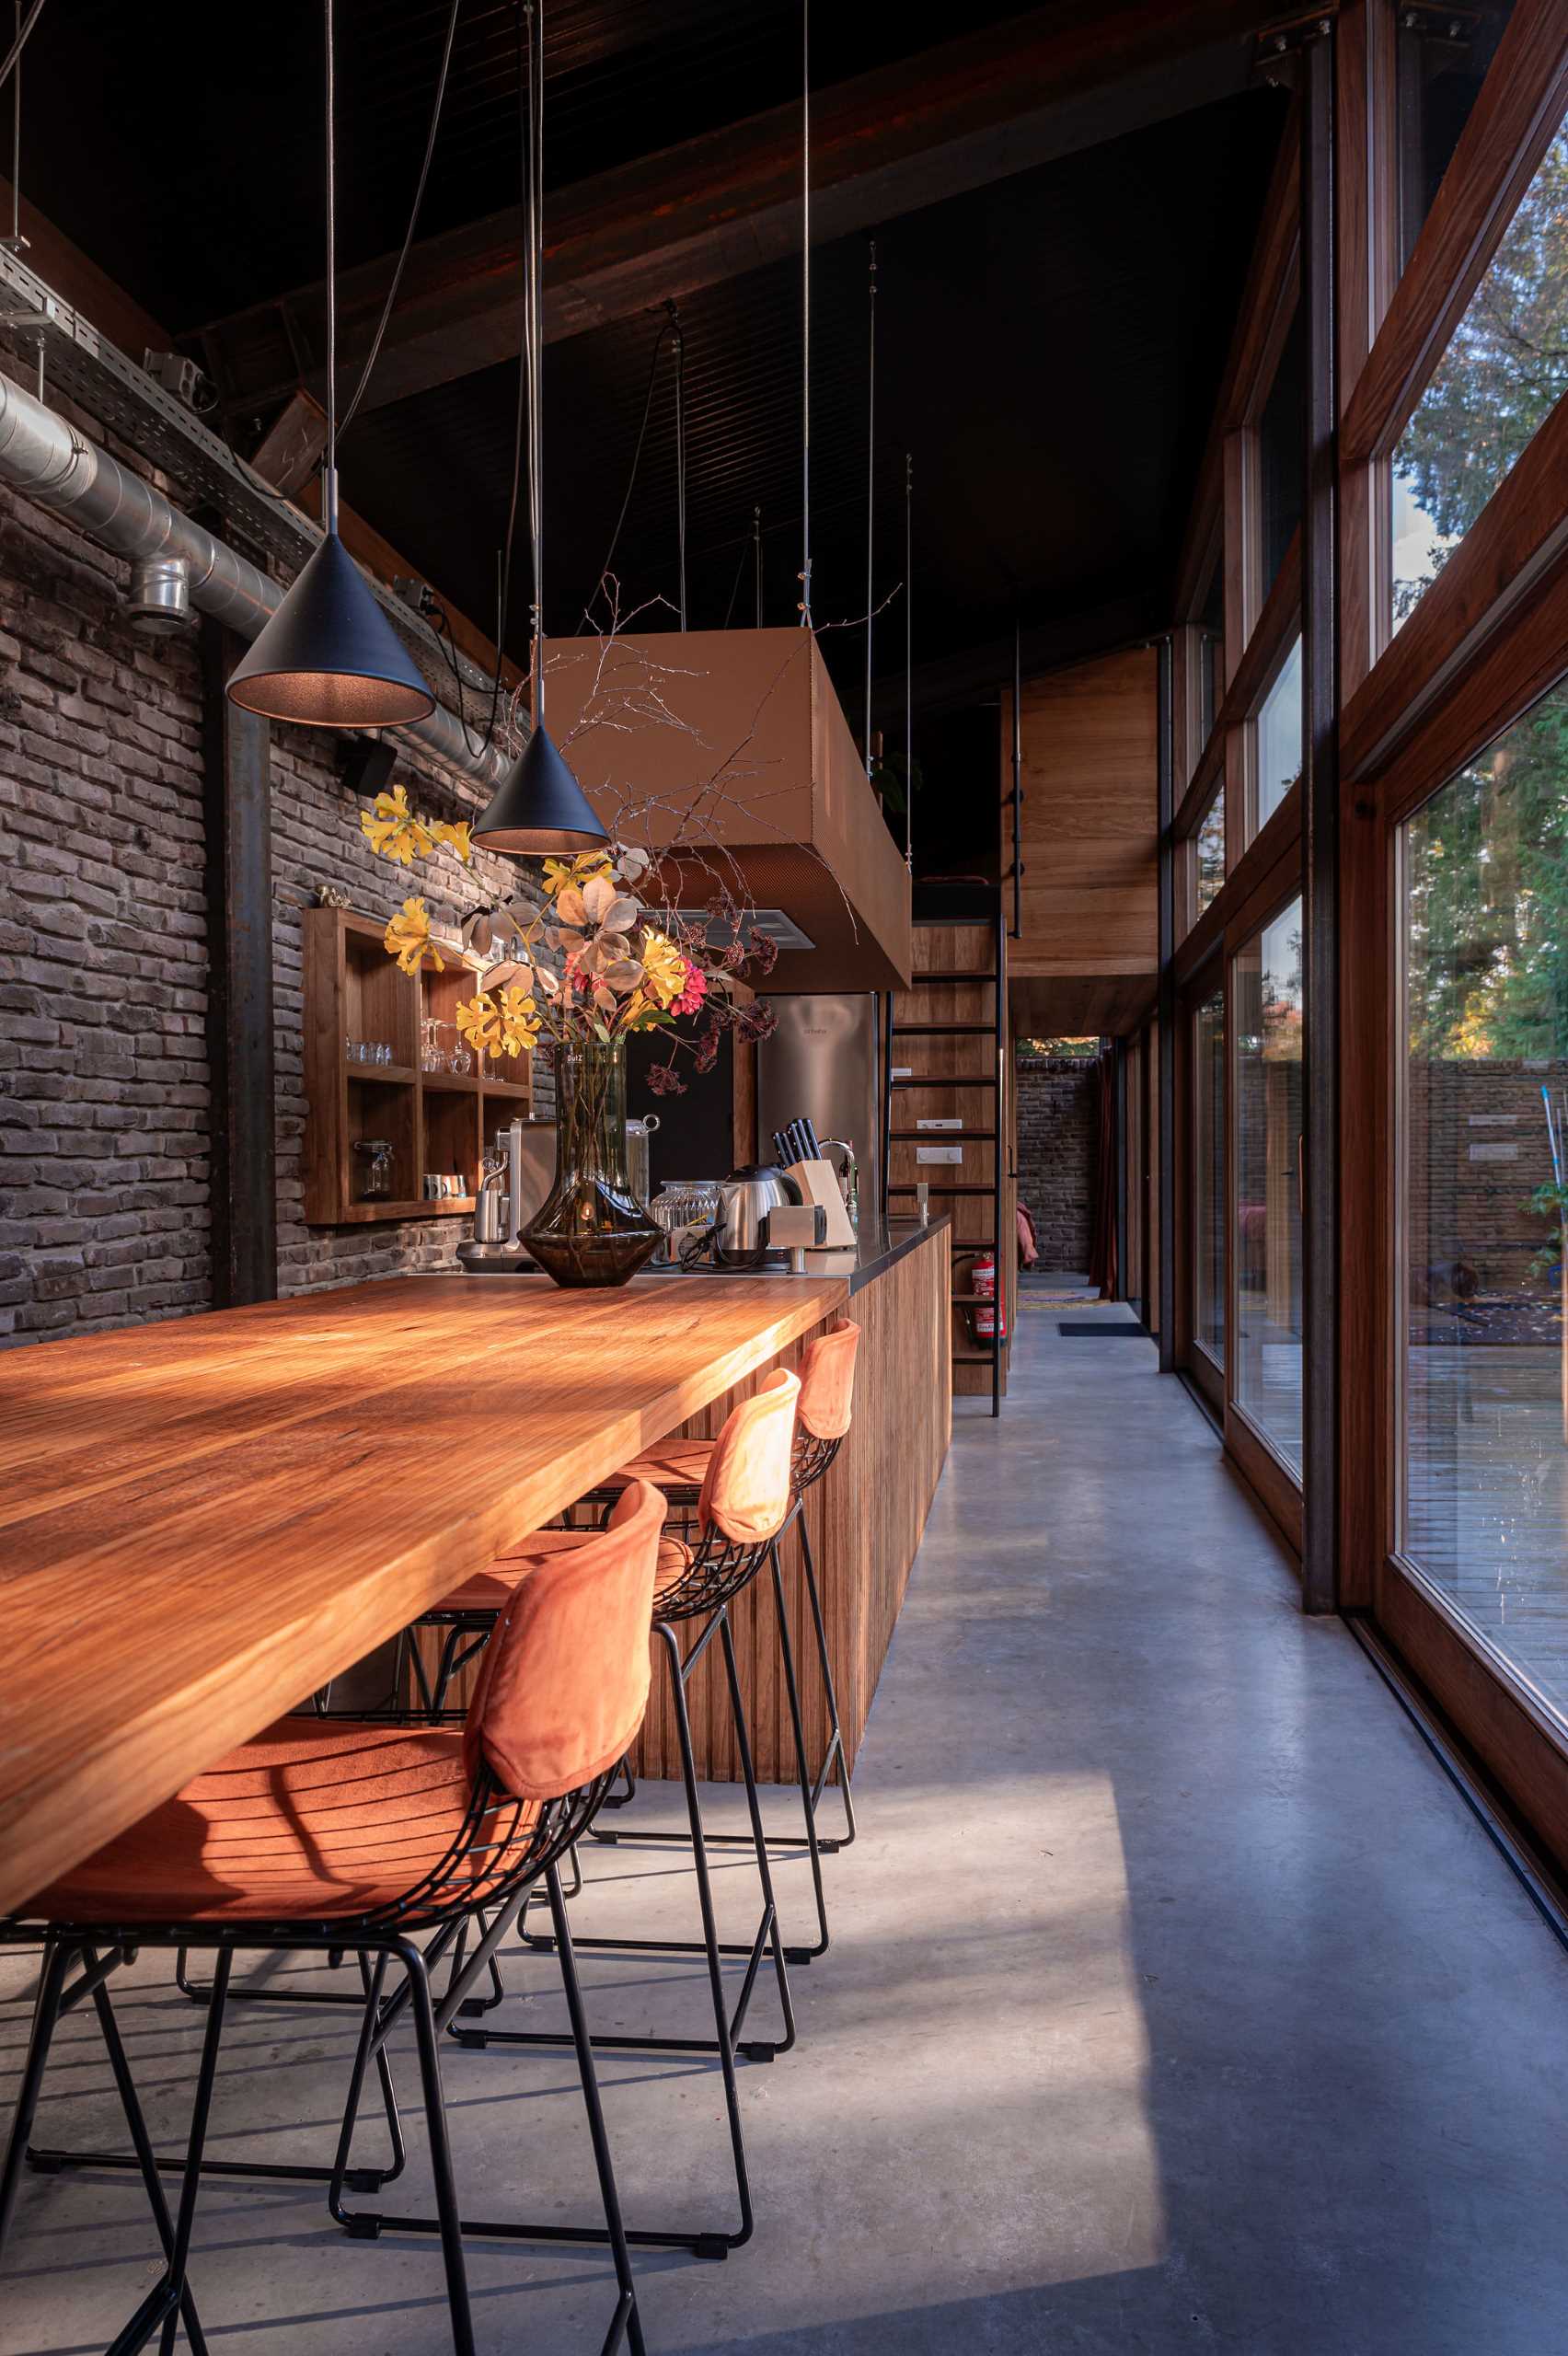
pixel 436 1122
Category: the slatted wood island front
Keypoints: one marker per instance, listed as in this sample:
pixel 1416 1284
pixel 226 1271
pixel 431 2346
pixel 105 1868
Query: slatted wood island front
pixel 203 1520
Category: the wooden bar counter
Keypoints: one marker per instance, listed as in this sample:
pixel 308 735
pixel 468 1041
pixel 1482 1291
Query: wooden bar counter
pixel 201 1521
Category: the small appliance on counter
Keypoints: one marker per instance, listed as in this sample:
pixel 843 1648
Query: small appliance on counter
pixel 519 1171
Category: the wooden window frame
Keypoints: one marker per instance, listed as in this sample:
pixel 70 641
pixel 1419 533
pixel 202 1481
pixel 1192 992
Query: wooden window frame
pixel 1487 639
pixel 1277 1483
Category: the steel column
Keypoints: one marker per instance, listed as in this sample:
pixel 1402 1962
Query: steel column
pixel 1319 841
pixel 237 800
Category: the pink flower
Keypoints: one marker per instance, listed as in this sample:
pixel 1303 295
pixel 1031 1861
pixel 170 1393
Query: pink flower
pixel 694 990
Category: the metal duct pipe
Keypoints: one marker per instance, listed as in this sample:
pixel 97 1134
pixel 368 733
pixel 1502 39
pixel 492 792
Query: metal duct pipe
pixel 52 463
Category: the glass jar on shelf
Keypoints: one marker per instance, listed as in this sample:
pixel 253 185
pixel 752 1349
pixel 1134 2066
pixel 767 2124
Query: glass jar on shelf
pixel 376 1168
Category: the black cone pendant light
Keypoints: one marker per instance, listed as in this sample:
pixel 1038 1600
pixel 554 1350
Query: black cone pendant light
pixel 329 657
pixel 538 805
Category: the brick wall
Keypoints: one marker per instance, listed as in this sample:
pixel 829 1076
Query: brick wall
pixel 1479 1150
pixel 104 1098
pixel 1057 1136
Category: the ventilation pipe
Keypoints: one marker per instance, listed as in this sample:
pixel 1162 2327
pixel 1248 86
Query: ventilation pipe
pixel 53 465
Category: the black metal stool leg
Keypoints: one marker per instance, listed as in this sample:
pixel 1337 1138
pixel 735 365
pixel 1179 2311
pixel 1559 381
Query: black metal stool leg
pixel 834 1728
pixel 173 2287
pixel 147 2159
pixel 48 2161
pixel 626 2320
pixel 448 2213
pixel 753 1809
pixel 803 1773
pixel 721 2042
pixel 46 2012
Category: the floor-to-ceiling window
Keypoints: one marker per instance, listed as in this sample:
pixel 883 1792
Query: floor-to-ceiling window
pixel 1266 992
pixel 1208 1176
pixel 1482 918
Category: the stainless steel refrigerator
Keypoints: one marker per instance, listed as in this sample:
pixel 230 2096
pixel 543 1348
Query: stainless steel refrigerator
pixel 824 1063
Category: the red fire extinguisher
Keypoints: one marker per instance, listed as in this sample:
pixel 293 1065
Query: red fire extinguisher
pixel 989 1317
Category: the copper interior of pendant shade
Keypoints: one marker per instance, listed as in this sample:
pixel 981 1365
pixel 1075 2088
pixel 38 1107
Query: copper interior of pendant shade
pixel 331 698
pixel 538 842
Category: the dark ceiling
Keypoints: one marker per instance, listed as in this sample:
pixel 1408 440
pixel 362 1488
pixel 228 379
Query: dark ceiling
pixel 1048 344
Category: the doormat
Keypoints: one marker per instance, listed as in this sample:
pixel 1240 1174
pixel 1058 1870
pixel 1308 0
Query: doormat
pixel 1117 1333
pixel 1029 1298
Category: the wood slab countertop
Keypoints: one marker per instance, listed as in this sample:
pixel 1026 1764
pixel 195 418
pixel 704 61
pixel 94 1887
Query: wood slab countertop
pixel 201 1521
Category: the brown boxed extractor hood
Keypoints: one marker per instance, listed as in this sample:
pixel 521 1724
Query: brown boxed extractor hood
pixel 734 743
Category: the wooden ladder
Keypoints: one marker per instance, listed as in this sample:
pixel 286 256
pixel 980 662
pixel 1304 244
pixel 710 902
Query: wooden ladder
pixel 948 1091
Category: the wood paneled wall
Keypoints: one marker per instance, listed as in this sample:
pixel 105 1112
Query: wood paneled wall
pixel 1090 945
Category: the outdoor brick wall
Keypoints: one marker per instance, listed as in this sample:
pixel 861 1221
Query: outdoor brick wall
pixel 1478 1152
pixel 104 1098
pixel 1057 1147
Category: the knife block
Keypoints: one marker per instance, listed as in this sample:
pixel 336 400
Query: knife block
pixel 818 1183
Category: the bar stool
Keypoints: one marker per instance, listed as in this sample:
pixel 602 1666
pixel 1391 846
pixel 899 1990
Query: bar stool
pixel 325 1836
pixel 679 1467
pixel 742 1503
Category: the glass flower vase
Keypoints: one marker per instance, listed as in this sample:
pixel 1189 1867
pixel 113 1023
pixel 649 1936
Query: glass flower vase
pixel 590 1228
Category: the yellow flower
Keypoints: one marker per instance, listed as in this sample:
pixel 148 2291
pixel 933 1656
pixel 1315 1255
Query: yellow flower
pixel 393 829
pixel 663 967
pixel 454 832
pixel 478 1019
pixel 519 1022
pixel 562 874
pixel 408 939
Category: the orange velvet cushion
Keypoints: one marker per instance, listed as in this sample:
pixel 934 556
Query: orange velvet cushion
pixel 312 1820
pixel 828 1380
pixel 563 1682
pixel 746 1491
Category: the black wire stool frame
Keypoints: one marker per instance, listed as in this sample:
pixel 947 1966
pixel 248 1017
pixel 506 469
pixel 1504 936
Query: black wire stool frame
pixel 717 1570
pixel 811 1459
pixel 486 1866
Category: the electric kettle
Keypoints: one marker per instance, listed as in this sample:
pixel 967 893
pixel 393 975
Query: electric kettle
pixel 746 1197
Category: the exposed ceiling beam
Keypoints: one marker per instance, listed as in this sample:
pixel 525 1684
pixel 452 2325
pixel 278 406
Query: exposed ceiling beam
pixel 909 135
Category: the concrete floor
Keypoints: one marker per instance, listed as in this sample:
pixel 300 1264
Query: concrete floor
pixel 1175 2000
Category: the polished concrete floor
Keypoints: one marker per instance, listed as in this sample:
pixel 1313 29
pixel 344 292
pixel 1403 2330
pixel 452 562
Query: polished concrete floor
pixel 1175 2000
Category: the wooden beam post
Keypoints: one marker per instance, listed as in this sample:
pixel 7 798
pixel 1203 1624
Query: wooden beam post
pixel 239 813
pixel 1320 837
pixel 1166 1178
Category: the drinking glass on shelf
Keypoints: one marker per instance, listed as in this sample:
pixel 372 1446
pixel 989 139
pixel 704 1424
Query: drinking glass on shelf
pixel 383 1051
pixel 429 1046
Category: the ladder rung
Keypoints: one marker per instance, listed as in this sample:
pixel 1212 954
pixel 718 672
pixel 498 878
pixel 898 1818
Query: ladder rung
pixel 959 974
pixel 949 1080
pixel 943 1029
pixel 943 1136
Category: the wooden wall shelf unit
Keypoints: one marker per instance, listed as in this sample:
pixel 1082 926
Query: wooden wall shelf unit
pixel 433 1121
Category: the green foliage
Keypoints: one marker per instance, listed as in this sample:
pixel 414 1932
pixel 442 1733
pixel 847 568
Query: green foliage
pixel 1488 864
pixel 1505 368
pixel 1488 905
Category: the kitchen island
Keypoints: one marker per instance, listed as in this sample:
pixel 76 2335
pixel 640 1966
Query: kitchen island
pixel 204 1521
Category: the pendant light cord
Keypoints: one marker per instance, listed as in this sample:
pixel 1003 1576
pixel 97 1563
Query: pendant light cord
pixel 680 463
pixel 329 481
pixel 389 303
pixel 24 31
pixel 16 239
pixel 871 486
pixel 534 15
pixel 908 661
pixel 806 313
